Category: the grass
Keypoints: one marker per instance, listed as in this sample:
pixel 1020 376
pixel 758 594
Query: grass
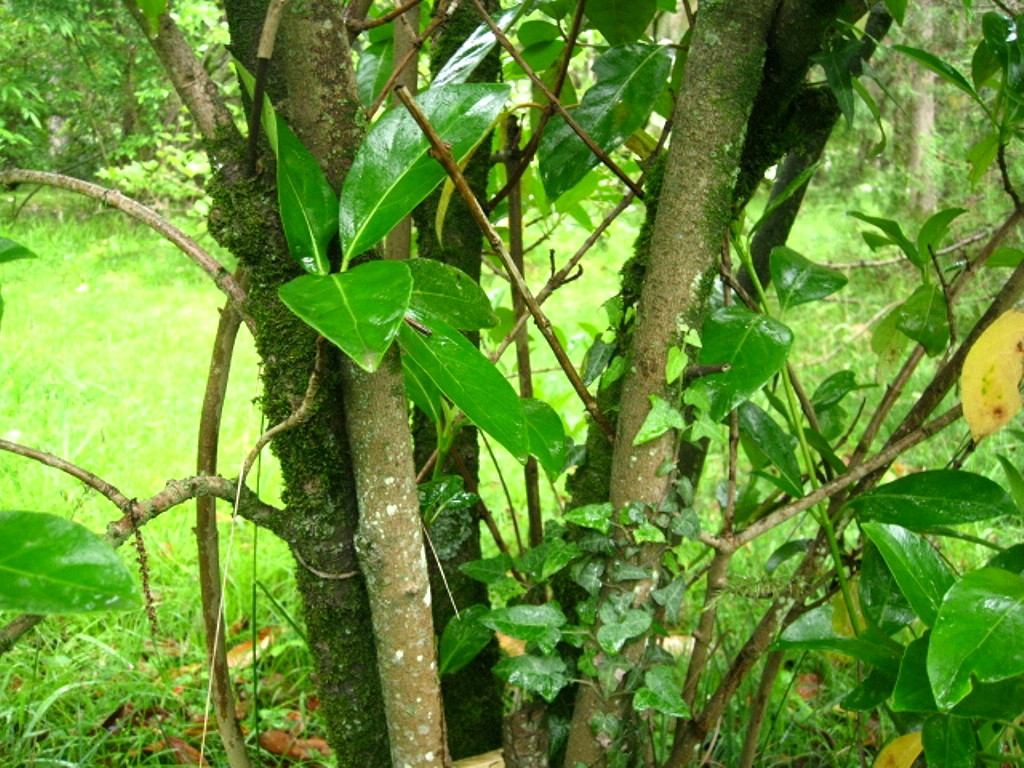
pixel 104 349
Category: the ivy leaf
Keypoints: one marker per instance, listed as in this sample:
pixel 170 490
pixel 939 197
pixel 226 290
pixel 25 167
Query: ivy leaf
pixel 489 570
pixel 463 639
pixel 360 310
pixel 924 500
pixel 596 516
pixel 754 346
pixel 537 624
pixel 52 565
pixel 393 172
pixel 445 292
pixel 799 280
pixel 670 597
pixel 661 693
pixel 543 675
pixel 629 79
pixel 612 635
pixel 662 417
pixel 470 381
pixel 979 634
pixel 923 577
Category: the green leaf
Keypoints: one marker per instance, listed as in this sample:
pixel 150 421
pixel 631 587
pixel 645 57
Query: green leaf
pixel 543 675
pixel 597 359
pixel 360 310
pixel 755 347
pixel 922 575
pixel 944 70
pixel 489 570
pixel 949 742
pixel 662 418
pixel 798 280
pixel 923 500
pixel 463 639
pixel 1016 482
pixel 934 230
pixel 12 251
pixel 268 116
pixel 661 693
pixel 447 492
pixel 775 443
pixel 1010 559
pixel 897 9
pixel 835 60
pixel 893 235
pixel 475 48
pixel 152 10
pixel 449 294
pixel 307 202
pixel 887 342
pixel 1005 256
pixel 629 79
pixel 537 624
pixel 546 435
pixel 833 389
pixel 785 552
pixel 376 63
pixel 612 635
pixel 670 597
pixel 470 381
pixel 621 22
pixel 424 394
pixel 596 516
pixel 981 155
pixel 52 565
pixel 393 172
pixel 993 701
pixel 880 598
pixel 913 692
pixel 979 634
pixel 876 688
pixel 923 318
pixel 814 630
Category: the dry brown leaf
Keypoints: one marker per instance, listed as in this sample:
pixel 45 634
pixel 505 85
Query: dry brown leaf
pixel 900 752
pixel 491 759
pixel 184 753
pixel 286 744
pixel 990 379
pixel 512 646
pixel 808 685
pixel 242 656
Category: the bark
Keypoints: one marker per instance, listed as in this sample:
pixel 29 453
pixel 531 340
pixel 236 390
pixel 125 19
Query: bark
pixel 722 79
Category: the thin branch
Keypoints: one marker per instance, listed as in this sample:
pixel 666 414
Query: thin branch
pixel 264 52
pixel 359 25
pixel 113 494
pixel 443 154
pixel 554 101
pixel 221 277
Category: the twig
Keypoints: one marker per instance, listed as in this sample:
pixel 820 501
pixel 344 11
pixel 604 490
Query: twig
pixel 443 154
pixel 264 52
pixel 220 276
pixel 553 99
pixel 112 493
pixel 299 415
pixel 360 25
pixel 319 573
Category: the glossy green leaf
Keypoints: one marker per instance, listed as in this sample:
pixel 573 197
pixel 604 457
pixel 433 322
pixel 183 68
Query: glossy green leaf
pixel 376 63
pixel 470 381
pixel 981 155
pixel 943 69
pixel 922 575
pixel 994 701
pixel 268 115
pixel 755 347
pixel 661 693
pixel 913 692
pixel 833 389
pixel 629 79
pixel 775 443
pixel 949 742
pixel 670 597
pixel 423 392
pixel 475 48
pixel 873 690
pixel 537 624
pixel 442 291
pixel 596 516
pixel 52 565
pixel 814 631
pixel 835 60
pixel 1005 256
pixel 443 493
pixel 308 205
pixel 798 280
pixel 881 601
pixel 12 251
pixel 934 230
pixel 979 634
pixel 662 418
pixel 360 310
pixel 923 318
pixel 621 22
pixel 463 639
pixel 393 172
pixel 489 570
pixel 1015 481
pixel 597 359
pixel 1010 559
pixel 546 435
pixel 935 497
pixel 613 634
pixel 543 675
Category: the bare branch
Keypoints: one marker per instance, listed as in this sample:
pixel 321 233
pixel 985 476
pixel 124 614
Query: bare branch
pixel 221 277
pixel 115 496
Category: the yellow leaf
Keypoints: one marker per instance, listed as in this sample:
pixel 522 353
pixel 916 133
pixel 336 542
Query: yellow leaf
pixel 901 752
pixel 841 623
pixel 990 380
